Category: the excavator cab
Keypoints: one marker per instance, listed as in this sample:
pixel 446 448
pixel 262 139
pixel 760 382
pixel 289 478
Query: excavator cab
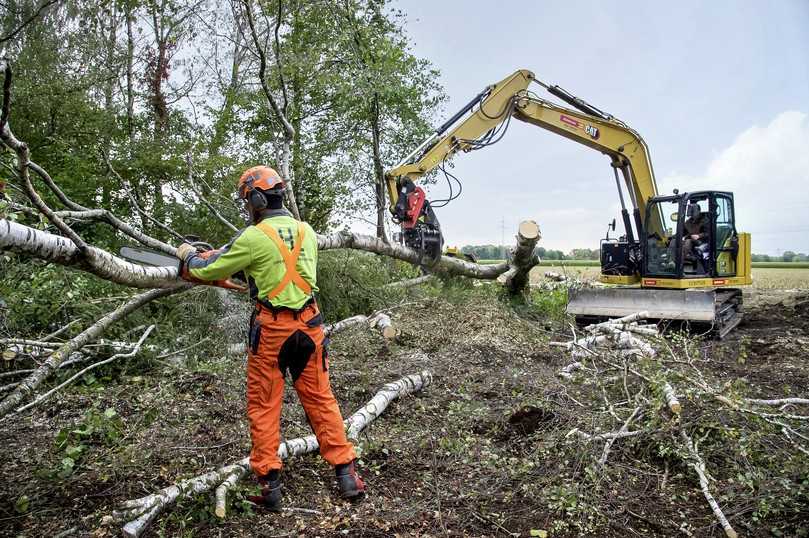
pixel 691 258
pixel 699 237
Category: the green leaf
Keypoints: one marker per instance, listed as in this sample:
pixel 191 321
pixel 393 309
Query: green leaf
pixel 74 451
pixel 110 412
pixel 22 504
pixel 88 430
pixel 541 533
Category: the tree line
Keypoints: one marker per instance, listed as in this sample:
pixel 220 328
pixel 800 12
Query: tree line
pixel 498 252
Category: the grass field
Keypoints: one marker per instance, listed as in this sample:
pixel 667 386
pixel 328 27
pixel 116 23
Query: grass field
pixel 778 277
pixel 595 263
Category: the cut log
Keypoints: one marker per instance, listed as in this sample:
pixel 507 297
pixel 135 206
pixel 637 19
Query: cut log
pixel 383 324
pixel 618 321
pixel 671 399
pixel 523 258
pixel 380 321
pixel 142 512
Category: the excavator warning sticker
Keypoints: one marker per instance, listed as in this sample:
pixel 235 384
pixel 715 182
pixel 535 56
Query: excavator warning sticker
pixel 589 129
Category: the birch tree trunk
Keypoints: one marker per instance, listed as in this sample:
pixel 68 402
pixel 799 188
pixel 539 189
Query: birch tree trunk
pixel 523 258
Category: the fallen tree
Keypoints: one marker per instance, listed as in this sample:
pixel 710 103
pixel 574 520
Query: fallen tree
pixel 140 513
pixel 15 237
pixel 69 248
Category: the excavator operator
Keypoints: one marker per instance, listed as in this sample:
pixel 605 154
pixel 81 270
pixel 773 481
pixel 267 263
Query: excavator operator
pixel 279 256
pixel 695 230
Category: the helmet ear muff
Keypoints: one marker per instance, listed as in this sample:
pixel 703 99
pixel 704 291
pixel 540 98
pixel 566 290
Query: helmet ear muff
pixel 257 200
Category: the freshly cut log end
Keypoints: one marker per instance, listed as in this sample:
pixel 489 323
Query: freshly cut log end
pixel 389 333
pixel 384 325
pixel 522 256
pixel 671 399
pixel 529 230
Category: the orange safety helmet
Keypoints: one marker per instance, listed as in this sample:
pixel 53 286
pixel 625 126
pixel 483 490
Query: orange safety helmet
pixel 259 177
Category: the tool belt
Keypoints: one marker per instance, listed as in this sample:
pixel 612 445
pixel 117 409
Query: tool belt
pixel 267 305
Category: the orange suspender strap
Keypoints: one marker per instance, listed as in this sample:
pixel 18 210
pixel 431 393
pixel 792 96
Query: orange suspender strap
pixel 290 259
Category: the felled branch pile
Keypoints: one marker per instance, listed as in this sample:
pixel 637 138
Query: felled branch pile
pixel 622 334
pixel 630 360
pixel 140 513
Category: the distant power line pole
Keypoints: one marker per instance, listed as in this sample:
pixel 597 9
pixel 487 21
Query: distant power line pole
pixel 503 238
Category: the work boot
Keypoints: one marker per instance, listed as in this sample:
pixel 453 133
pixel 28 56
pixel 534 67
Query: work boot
pixel 349 482
pixel 270 497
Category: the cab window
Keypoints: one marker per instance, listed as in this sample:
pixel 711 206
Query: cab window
pixel 725 237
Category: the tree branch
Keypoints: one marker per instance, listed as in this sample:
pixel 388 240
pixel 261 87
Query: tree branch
pixel 25 240
pixel 26 22
pixel 142 512
pixel 85 337
pixel 77 375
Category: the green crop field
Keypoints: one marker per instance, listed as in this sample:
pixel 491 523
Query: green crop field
pixel 778 277
pixel 595 263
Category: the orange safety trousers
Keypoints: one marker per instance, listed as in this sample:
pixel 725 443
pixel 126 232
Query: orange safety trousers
pixel 284 343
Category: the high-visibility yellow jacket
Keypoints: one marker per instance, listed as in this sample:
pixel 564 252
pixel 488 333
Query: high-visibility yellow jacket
pixel 253 252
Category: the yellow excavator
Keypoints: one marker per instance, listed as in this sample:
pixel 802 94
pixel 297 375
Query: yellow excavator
pixel 680 258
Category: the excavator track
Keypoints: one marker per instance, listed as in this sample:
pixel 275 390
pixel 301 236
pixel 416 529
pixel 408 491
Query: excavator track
pixel 728 305
pixel 714 311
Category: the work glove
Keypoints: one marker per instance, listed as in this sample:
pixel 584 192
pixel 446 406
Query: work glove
pixel 185 250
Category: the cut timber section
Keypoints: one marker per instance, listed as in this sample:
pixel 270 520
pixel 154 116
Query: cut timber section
pixel 523 258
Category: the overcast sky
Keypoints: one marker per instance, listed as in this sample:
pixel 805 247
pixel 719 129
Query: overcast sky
pixel 719 90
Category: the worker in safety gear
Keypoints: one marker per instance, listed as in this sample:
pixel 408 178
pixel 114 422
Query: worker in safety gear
pixel 278 254
pixel 695 231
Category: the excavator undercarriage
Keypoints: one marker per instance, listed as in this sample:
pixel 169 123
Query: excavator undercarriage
pixel 712 311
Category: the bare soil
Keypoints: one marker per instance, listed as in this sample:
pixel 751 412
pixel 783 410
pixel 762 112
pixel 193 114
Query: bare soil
pixel 482 452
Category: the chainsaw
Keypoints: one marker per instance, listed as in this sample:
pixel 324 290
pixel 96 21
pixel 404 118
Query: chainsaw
pixel 145 256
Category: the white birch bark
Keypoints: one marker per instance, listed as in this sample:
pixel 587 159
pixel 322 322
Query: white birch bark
pixel 567 371
pixel 699 467
pixel 25 240
pixel 618 321
pixel 409 283
pixel 379 321
pixel 523 258
pixel 671 398
pixel 55 248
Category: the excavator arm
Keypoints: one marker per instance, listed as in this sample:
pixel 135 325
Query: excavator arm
pixel 489 113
